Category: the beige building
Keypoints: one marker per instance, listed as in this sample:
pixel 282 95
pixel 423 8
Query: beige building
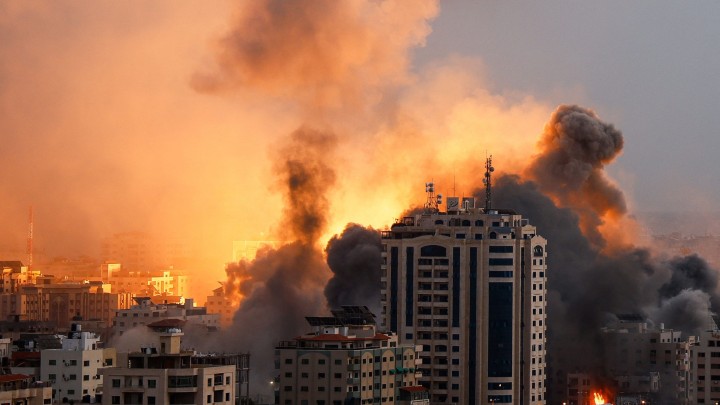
pixel 346 361
pixel 705 368
pixel 74 370
pixel 161 373
pixel 469 286
pixel 23 389
pixel 15 275
pixel 220 304
pixel 61 302
pixel 145 283
pixel 145 311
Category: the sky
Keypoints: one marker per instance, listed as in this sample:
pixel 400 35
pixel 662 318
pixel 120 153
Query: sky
pixel 126 116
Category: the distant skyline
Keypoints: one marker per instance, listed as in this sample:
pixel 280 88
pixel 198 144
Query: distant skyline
pixel 104 128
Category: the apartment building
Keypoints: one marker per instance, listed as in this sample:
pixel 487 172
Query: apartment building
pixel 74 370
pixel 23 389
pixel 145 311
pixel 469 286
pixel 161 373
pixel 345 360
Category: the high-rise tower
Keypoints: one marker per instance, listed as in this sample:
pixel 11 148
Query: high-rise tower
pixel 469 286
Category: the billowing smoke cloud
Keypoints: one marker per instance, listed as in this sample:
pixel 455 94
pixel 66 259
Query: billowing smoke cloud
pixel 568 197
pixel 323 53
pixel 575 147
pixel 354 258
pixel 282 286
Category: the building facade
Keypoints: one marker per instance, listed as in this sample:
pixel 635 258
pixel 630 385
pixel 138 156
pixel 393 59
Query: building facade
pixel 469 286
pixel 145 312
pixel 61 302
pixel 74 370
pixel 346 361
pixel 705 368
pixel 162 373
pixel 649 363
pixel 23 389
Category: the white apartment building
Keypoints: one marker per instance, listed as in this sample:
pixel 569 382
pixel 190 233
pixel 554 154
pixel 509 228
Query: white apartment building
pixel 74 370
pixel 469 286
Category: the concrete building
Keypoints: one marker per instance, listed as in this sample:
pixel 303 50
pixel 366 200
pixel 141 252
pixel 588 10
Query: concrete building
pixel 145 311
pixel 346 361
pixel 14 275
pixel 221 304
pixel 646 362
pixel 469 286
pixel 23 389
pixel 161 373
pixel 61 302
pixel 705 368
pixel 74 370
pixel 146 283
pixel 140 251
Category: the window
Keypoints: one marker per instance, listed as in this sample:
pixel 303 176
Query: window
pixel 73 377
pixel 227 380
pixel 304 361
pixel 86 377
pixel 116 383
pixel 288 361
pixel 52 362
pixel 152 384
pixel 115 399
pixel 209 399
pixel 151 400
pixel 86 363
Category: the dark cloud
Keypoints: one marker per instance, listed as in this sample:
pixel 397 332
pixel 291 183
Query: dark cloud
pixel 354 258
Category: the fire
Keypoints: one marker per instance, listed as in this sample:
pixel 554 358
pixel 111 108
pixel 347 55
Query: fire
pixel 599 398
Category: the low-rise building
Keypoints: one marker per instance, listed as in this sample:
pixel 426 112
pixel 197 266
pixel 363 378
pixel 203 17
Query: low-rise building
pixel 74 370
pixel 23 389
pixel 162 373
pixel 145 311
pixel 345 360
pixel 219 303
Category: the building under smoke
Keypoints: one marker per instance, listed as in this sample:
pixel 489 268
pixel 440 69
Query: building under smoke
pixel 468 285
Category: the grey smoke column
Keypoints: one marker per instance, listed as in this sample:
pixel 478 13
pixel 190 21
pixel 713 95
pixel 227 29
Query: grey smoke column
pixel 575 147
pixel 354 258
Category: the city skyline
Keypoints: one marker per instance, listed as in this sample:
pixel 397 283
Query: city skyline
pixel 127 118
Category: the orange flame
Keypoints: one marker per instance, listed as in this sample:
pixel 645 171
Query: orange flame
pixel 599 398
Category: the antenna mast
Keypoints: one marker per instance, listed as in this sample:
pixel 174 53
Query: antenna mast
pixel 30 238
pixel 488 183
pixel 432 202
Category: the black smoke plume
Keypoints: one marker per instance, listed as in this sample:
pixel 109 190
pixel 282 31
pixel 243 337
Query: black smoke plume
pixel 282 286
pixel 567 197
pixel 354 258
pixel 576 145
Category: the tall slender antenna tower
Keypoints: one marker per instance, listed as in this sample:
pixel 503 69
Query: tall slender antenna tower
pixel 30 238
pixel 488 183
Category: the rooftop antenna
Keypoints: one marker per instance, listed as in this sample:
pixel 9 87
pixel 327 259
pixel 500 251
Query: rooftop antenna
pixel 30 238
pixel 432 202
pixel 488 183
